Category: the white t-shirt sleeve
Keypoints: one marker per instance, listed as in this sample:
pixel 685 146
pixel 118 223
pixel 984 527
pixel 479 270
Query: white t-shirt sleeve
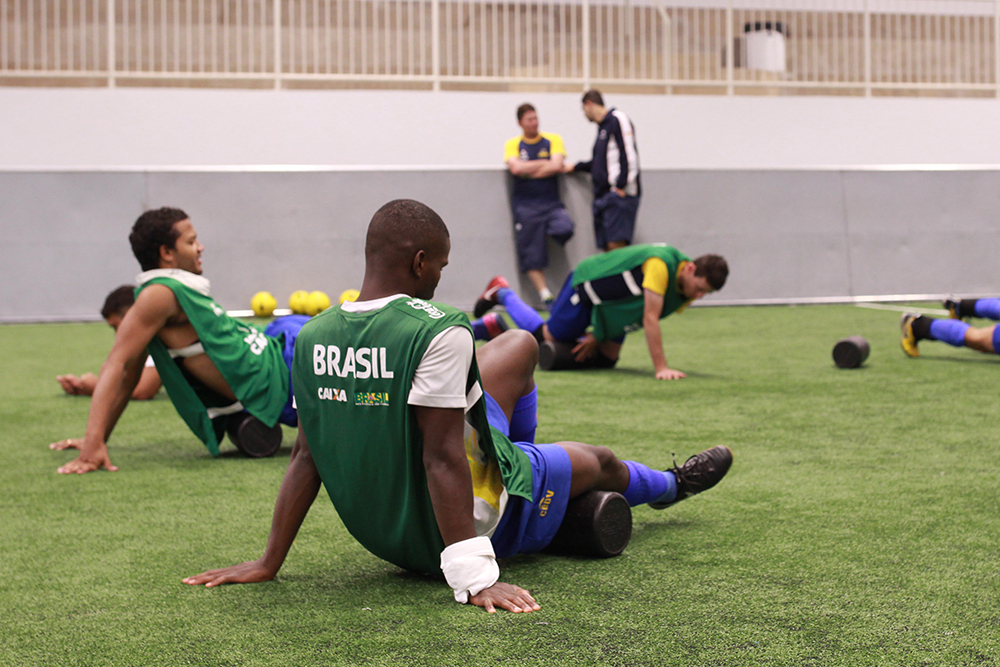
pixel 441 376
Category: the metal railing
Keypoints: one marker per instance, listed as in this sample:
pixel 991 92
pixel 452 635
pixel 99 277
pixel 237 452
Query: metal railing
pixel 731 46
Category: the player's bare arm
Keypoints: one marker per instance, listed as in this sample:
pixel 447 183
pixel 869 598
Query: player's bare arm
pixel 652 307
pixel 542 168
pixel 449 483
pixel 298 490
pixel 119 376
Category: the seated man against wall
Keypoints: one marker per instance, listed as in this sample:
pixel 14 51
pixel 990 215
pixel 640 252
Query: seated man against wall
pixel 411 441
pixel 611 294
pixel 116 305
pixel 212 365
pixel 954 331
pixel 535 160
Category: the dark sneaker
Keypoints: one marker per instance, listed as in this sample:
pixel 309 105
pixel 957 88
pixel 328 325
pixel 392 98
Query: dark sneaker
pixel 952 305
pixel 906 338
pixel 495 324
pixel 488 298
pixel 699 473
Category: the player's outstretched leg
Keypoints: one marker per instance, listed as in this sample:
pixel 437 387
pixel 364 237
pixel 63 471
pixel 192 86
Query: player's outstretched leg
pixel 961 308
pixel 489 326
pixel 953 332
pixel 499 292
pixel 488 298
pixel 599 468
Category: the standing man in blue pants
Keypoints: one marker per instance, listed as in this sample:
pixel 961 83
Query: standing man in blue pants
pixel 614 169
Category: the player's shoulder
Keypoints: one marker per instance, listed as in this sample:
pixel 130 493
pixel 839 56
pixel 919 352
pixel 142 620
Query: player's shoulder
pixel 551 136
pixel 513 142
pixel 430 312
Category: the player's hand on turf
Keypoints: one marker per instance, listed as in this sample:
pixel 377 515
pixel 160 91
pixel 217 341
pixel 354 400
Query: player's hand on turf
pixel 586 348
pixel 250 572
pixel 88 461
pixel 68 443
pixel 505 596
pixel 670 374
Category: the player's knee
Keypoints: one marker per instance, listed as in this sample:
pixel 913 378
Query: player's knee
pixel 606 459
pixel 521 346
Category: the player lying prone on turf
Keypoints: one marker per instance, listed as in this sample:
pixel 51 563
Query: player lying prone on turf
pixel 213 366
pixel 424 444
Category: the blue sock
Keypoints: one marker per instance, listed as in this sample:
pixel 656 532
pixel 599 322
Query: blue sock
pixel 524 421
pixel 988 308
pixel 479 331
pixel 524 316
pixel 949 331
pixel 646 485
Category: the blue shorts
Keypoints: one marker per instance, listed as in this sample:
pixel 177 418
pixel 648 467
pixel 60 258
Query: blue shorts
pixel 533 224
pixel 614 218
pixel 568 321
pixel 526 526
pixel 287 326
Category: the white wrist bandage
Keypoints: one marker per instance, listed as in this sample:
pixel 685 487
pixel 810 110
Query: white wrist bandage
pixel 470 566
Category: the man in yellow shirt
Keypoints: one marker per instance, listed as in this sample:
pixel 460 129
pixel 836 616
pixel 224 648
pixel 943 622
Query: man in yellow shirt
pixel 535 159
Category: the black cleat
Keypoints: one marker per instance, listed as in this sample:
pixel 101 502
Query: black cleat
pixel 954 307
pixel 488 298
pixel 699 473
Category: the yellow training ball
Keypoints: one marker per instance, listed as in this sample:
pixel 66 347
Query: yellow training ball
pixel 317 302
pixel 297 301
pixel 263 304
pixel 349 295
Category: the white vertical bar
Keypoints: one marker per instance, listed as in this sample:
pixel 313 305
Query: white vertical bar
pixel 436 44
pixel 499 37
pixel 996 46
pixel 730 40
pixel 276 36
pixel 586 43
pixel 397 67
pixel 112 27
pixel 868 50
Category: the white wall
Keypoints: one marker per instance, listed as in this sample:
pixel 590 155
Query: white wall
pixel 97 128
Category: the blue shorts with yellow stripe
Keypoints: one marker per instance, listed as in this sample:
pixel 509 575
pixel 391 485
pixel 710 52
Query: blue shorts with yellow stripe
pixel 529 526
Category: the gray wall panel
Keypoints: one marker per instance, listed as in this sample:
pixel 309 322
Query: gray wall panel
pixel 923 232
pixel 787 234
pixel 58 258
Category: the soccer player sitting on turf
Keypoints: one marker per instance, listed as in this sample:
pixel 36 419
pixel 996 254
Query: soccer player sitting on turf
pixel 954 331
pixel 406 425
pixel 213 366
pixel 115 306
pixel 611 294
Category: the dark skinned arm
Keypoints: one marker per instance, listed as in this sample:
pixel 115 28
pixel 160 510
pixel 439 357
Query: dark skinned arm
pixel 298 491
pixel 449 483
pixel 120 375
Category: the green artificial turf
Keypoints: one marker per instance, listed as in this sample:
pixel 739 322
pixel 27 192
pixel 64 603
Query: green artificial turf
pixel 858 525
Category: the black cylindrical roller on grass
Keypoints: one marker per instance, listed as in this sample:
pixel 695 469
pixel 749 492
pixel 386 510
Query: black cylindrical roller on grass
pixel 597 523
pixel 252 437
pixel 556 356
pixel 850 352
